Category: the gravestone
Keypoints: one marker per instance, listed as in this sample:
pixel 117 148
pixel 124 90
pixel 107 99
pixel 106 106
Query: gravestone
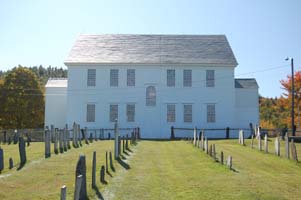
pixel 277 146
pixel 68 137
pixel 202 140
pixel 11 163
pixel 127 142
pixel 206 145
pixel 78 186
pixel 1 159
pixel 102 174
pixel 266 147
pixel 107 166
pixel 123 145
pixel 194 136
pixel 252 141
pixel 78 138
pixel 16 137
pixel 52 131
pixel 287 147
pixel 74 135
pixel 65 139
pixel 229 162
pixel 22 151
pixel 116 134
pixel 241 139
pixel 213 152
pixel 210 150
pixel 259 144
pixel 111 160
pixel 81 170
pixel 55 144
pixel 222 157
pixel 294 151
pixel 47 139
pixel 94 170
pixel 63 192
pixel 61 138
pixel 119 145
pixel 91 138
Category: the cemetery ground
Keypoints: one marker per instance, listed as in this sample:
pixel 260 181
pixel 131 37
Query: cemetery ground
pixel 157 170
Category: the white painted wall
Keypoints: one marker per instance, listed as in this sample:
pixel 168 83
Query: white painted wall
pixel 55 106
pixel 152 120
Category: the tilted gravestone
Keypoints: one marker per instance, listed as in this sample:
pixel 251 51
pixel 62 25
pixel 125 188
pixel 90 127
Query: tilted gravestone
pixel 22 151
pixel 47 140
pixel 294 151
pixel 11 163
pixel 277 146
pixel 266 147
pixel 287 147
pixel 102 174
pixel 81 170
pixel 1 160
pixel 229 162
pixel 94 170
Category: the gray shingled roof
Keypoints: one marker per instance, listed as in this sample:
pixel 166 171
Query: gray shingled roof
pixel 247 83
pixel 152 49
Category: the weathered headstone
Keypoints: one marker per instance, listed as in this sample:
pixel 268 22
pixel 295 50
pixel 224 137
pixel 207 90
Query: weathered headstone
pixel 210 150
pixel 259 144
pixel 287 147
pixel 84 134
pixel 55 144
pixel 102 174
pixel 52 132
pixel 74 135
pixel 294 151
pixel 61 140
pixel 127 142
pixel 63 192
pixel 78 138
pixel 94 170
pixel 22 151
pixel 119 145
pixel 68 137
pixel 78 186
pixel 65 139
pixel 1 160
pixel 222 157
pixel 81 170
pixel 277 146
pixel 213 152
pixel 252 141
pixel 16 137
pixel 241 139
pixel 202 140
pixel 266 147
pixel 116 134
pixel 47 139
pixel 123 145
pixel 11 163
pixel 194 136
pixel 206 145
pixel 229 162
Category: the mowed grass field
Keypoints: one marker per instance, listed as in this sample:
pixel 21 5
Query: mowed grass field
pixel 159 170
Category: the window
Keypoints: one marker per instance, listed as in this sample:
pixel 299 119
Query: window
pixel 171 78
pixel 210 113
pixel 188 113
pixel 210 78
pixel 114 77
pixel 187 78
pixel 130 77
pixel 150 96
pixel 91 79
pixel 130 112
pixel 113 112
pixel 90 112
pixel 171 112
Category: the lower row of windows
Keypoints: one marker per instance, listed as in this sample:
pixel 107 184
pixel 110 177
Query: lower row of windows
pixel 170 113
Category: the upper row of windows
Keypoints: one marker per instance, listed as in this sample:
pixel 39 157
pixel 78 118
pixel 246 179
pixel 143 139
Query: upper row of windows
pixel 170 79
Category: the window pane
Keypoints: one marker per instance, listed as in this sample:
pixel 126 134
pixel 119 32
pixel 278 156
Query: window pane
pixel 187 78
pixel 171 113
pixel 210 79
pixel 114 77
pixel 113 113
pixel 91 77
pixel 130 112
pixel 187 113
pixel 171 77
pixel 150 96
pixel 211 113
pixel 90 112
pixel 130 77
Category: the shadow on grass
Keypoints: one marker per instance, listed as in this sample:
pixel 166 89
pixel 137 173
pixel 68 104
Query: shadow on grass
pixel 20 166
pixel 112 167
pixel 97 192
pixel 129 150
pixel 123 164
pixel 109 174
pixel 123 157
pixel 126 153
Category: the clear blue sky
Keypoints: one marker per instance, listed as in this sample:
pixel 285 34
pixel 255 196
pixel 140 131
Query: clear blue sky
pixel 261 33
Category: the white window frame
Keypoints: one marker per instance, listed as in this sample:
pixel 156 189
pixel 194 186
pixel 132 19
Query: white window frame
pixel 171 78
pixel 210 78
pixel 130 112
pixel 171 112
pixel 114 77
pixel 90 112
pixel 187 116
pixel 131 77
pixel 91 77
pixel 113 116
pixel 211 113
pixel 187 78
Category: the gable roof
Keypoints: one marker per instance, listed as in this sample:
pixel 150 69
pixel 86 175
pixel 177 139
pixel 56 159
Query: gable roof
pixel 246 83
pixel 151 49
pixel 57 82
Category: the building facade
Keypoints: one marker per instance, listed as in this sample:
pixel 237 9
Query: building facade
pixel 152 82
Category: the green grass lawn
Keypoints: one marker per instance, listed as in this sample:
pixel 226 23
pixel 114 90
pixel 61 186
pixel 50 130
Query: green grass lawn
pixel 158 170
